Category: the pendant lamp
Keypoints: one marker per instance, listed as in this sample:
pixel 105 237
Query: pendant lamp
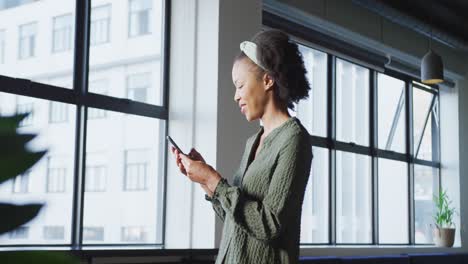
pixel 432 68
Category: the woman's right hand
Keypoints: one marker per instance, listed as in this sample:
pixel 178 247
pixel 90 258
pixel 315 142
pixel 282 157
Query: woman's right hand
pixel 193 154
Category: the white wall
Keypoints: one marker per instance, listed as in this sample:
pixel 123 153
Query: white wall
pixel 205 38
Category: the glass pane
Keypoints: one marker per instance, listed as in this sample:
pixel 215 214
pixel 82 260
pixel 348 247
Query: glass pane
pixel 353 198
pixel 50 181
pixel 352 103
pixel 313 111
pixel 123 169
pixel 100 27
pixel 393 202
pixel 391 113
pixel 140 17
pixel 426 125
pixel 32 39
pixel 314 225
pixel 129 60
pixel 426 182
pixel 2 46
pixel 62 33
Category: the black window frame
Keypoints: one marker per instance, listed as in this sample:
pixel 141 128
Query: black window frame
pixel 312 39
pixel 80 98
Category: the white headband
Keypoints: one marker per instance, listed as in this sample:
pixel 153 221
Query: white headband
pixel 250 49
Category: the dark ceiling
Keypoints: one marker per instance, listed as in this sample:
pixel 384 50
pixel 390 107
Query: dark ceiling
pixel 450 16
pixel 445 20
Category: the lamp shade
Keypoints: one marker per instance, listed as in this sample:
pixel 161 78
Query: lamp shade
pixel 432 68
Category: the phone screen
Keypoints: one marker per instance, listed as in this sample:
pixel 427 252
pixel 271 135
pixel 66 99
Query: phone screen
pixel 174 144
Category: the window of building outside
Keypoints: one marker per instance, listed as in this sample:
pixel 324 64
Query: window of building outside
pixel 21 232
pixel 96 178
pixel 58 112
pixel 137 86
pixel 368 166
pixel 2 46
pixel 27 40
pixel 50 180
pixel 91 234
pixel 21 183
pixel 115 131
pixel 135 170
pixel 133 234
pixel 56 178
pixel 62 35
pixel 5 4
pixel 139 17
pixel 100 24
pixel 53 232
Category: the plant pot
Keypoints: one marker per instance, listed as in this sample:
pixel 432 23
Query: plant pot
pixel 444 237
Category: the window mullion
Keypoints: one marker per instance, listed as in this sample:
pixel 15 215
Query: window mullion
pixel 373 132
pixel 331 134
pixel 409 153
pixel 80 82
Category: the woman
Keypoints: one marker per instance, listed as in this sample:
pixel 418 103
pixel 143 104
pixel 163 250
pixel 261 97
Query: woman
pixel 261 210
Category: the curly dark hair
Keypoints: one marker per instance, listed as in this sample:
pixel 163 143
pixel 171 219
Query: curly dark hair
pixel 283 61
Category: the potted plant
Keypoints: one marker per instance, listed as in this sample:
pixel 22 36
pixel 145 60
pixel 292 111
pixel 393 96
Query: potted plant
pixel 15 159
pixel 444 232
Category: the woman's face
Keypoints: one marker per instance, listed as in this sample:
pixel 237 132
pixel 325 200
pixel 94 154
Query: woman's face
pixel 252 93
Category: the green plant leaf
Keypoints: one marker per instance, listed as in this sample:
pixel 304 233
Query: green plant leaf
pixel 14 143
pixel 17 163
pixel 444 212
pixel 9 124
pixel 13 216
pixel 36 257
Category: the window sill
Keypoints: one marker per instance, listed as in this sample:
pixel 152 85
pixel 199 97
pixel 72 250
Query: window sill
pixel 374 250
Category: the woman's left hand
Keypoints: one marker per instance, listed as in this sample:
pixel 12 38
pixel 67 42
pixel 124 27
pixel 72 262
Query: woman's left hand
pixel 199 171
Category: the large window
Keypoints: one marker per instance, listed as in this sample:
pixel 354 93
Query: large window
pixel 376 167
pixel 104 151
pixel 352 103
pixel 38 40
pixel 313 110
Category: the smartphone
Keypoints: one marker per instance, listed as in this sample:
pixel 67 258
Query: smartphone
pixel 174 144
